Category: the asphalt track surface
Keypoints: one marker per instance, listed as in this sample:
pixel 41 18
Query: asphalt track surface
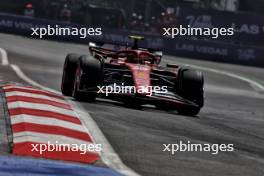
pixel 233 113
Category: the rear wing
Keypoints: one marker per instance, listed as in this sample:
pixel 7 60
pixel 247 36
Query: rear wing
pixel 101 49
pixel 105 48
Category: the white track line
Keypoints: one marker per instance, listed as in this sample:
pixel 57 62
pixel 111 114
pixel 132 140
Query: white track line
pixel 21 75
pixel 108 155
pixel 4 57
pixel 257 86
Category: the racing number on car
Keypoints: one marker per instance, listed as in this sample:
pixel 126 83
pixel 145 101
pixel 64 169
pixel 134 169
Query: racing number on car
pixel 141 74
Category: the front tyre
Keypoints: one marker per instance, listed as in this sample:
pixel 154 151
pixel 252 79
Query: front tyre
pixel 190 87
pixel 68 76
pixel 87 77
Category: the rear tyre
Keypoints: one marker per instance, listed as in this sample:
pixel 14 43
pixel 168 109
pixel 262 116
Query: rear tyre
pixel 190 87
pixel 88 76
pixel 68 76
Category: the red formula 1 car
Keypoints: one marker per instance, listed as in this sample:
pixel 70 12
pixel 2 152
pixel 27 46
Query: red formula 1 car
pixel 133 76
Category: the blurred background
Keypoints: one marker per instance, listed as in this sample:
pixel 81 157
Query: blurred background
pixel 143 15
pixel 148 17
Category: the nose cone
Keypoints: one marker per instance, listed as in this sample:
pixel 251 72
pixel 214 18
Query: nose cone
pixel 141 77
